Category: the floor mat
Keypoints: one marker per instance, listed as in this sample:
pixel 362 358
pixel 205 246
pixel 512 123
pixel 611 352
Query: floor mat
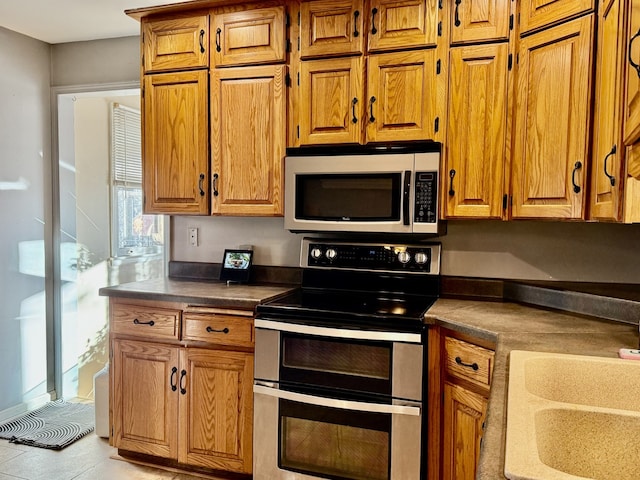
pixel 55 425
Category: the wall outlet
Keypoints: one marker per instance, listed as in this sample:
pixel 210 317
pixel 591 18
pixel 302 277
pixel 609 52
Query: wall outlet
pixel 193 236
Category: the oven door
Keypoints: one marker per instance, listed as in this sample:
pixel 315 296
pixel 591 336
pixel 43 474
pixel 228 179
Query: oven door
pixel 299 436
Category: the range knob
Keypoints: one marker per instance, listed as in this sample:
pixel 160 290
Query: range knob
pixel 331 253
pixel 316 253
pixel 421 258
pixel 404 257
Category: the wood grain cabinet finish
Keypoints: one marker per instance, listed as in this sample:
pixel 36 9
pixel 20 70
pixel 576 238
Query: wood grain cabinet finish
pixel 475 149
pixel 176 145
pixel 536 14
pixel 480 21
pixel 552 119
pixel 607 172
pixel 248 140
pixel 246 37
pixel 176 43
pixel 145 321
pixel 331 28
pixel 398 24
pixel 632 47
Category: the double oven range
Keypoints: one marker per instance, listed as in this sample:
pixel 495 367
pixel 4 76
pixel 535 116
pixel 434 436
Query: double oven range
pixel 339 390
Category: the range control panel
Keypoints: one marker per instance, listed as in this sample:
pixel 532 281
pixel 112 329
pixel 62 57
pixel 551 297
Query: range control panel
pixel 426 203
pixel 371 256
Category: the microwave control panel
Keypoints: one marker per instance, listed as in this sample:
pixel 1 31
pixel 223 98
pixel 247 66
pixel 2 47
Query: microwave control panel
pixel 426 202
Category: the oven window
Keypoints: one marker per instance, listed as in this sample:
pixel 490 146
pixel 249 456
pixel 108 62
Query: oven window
pixel 354 197
pixel 343 364
pixel 334 443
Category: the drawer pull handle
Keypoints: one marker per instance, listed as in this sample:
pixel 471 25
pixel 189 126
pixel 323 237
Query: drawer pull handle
pixel 576 167
pixel 174 371
pixel 218 32
pixel 631 62
pixel 611 178
pixel 202 32
pixel 473 365
pixel 151 323
pixel 356 14
pixel 225 330
pixel 183 375
pixel 374 30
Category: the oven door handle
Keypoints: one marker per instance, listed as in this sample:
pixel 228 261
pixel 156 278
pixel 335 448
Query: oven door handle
pixel 335 403
pixel 372 335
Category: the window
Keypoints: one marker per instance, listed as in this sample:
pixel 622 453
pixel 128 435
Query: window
pixel 134 233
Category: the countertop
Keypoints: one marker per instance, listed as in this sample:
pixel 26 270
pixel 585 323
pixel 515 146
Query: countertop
pixel 512 326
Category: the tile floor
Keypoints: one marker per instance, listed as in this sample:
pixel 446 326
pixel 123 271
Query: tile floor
pixel 85 459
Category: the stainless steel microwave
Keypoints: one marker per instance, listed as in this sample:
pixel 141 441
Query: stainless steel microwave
pixel 379 190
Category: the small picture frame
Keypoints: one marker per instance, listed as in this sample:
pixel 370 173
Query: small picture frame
pixel 236 265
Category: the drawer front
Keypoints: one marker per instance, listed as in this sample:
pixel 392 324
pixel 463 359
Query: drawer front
pixel 219 329
pixel 467 361
pixel 142 321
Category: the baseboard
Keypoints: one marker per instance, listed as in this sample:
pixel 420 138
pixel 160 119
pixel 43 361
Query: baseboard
pixel 16 411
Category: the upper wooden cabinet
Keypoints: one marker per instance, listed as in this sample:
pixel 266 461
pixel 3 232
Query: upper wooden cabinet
pixel 248 139
pixel 632 102
pixel 397 24
pixel 175 143
pixel 176 43
pixel 551 131
pixel 607 180
pixel 331 27
pixel 249 37
pixel 480 21
pixel 536 14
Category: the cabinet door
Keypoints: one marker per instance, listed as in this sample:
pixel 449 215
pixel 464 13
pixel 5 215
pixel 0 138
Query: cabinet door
pixel 216 410
pixel 552 122
pixel 476 134
pixel 331 27
pixel 331 101
pixel 176 147
pixel 535 14
pixel 145 398
pixel 401 90
pixel 248 117
pixel 249 37
pixel 632 104
pixel 480 21
pixel 177 43
pixel 395 24
pixel 606 168
pixel 463 416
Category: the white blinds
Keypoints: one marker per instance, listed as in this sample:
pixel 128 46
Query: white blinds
pixel 126 146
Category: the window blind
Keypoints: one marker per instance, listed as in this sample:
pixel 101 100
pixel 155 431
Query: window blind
pixel 126 146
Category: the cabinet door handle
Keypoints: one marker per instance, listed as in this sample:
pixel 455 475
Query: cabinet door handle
pixel 174 386
pixel 218 32
pixel 214 184
pixel 576 167
pixel 151 323
pixel 225 330
pixel 473 365
pixel 457 21
pixel 183 376
pixel 611 178
pixel 631 62
pixel 353 110
pixel 372 100
pixel 356 14
pixel 200 184
pixel 452 173
pixel 374 30
pixel 202 32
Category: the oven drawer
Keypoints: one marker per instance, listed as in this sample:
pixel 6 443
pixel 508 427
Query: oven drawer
pixel 468 362
pixel 142 321
pixel 218 328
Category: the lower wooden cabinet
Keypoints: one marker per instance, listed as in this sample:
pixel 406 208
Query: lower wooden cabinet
pixel 188 399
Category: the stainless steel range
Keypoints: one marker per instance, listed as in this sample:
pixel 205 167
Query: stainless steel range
pixel 339 390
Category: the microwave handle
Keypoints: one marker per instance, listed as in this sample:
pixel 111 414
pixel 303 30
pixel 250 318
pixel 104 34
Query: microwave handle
pixel 406 196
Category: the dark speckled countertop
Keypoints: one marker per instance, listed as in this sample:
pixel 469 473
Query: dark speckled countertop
pixel 512 326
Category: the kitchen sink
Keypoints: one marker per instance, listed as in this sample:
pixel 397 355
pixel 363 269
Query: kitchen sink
pixel 572 417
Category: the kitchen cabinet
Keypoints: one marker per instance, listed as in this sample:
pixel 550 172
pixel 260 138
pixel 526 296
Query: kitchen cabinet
pixel 176 142
pixel 176 43
pixel 476 21
pixel 632 102
pixel 552 122
pixel 607 180
pixel 399 24
pixel 181 383
pixel 248 139
pixel 536 14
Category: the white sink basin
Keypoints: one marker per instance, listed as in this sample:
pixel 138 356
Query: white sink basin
pixel 572 417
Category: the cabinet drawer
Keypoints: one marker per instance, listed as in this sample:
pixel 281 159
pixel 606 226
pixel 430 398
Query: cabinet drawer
pixel 142 321
pixel 467 361
pixel 218 328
